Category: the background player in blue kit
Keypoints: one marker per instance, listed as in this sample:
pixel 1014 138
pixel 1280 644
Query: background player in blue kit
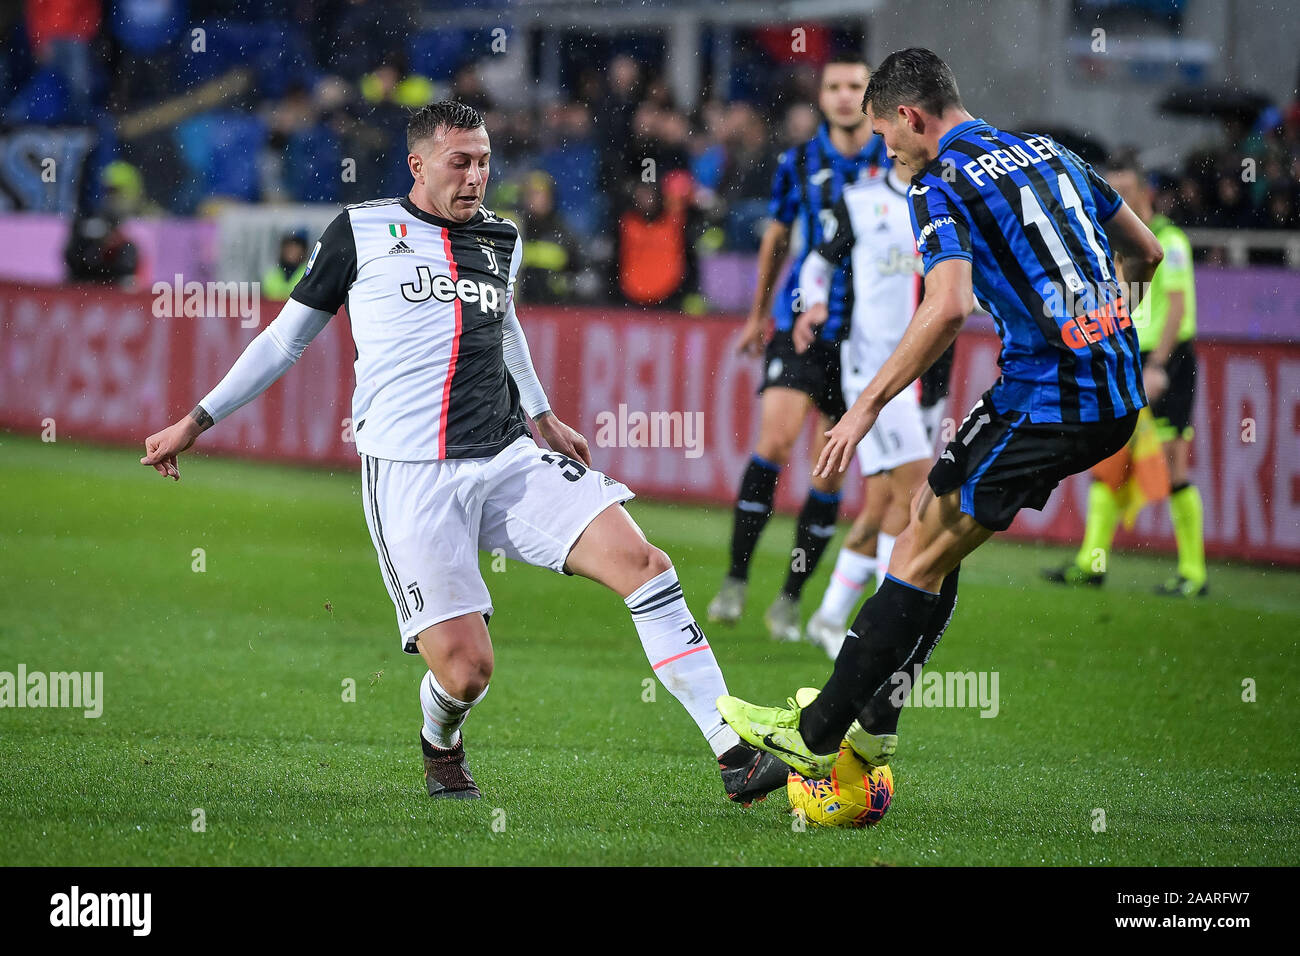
pixel 1017 221
pixel 809 181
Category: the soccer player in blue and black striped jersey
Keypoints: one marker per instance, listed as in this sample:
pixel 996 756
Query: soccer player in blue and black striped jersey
pixel 1027 227
pixel 808 183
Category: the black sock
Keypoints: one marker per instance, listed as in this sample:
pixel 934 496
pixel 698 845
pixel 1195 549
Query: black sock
pixel 889 628
pixel 753 508
pixel 815 530
pixel 880 716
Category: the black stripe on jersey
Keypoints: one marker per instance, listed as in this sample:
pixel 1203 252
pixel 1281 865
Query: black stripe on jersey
pixel 828 184
pixel 801 171
pixel 846 299
pixel 332 268
pixel 1128 362
pixel 385 560
pixel 1082 254
pixel 849 299
pixel 483 411
pixel 801 177
pixel 1016 276
pixel 841 244
pixel 1082 257
pixel 921 206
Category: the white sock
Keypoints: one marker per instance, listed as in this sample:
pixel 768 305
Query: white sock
pixel 847 581
pixel 680 655
pixel 443 714
pixel 884 548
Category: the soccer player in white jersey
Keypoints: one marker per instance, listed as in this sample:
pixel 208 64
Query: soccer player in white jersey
pixel 872 229
pixel 449 469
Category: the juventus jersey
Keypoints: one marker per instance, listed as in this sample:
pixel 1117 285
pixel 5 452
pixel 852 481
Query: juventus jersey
pixel 872 233
pixel 426 298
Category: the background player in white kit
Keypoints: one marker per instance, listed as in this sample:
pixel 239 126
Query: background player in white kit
pixel 448 466
pixel 872 228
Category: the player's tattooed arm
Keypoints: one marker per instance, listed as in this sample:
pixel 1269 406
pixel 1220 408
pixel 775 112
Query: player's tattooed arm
pixel 201 418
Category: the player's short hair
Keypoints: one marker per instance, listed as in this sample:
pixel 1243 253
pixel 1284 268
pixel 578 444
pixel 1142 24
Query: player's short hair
pixel 911 77
pixel 1125 160
pixel 444 114
pixel 845 58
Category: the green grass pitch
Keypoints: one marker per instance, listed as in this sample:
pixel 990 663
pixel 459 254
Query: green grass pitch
pixel 223 691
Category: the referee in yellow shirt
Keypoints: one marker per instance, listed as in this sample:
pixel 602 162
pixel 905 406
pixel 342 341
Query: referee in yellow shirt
pixel 1166 326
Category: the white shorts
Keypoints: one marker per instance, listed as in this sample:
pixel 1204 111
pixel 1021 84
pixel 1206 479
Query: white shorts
pixel 430 519
pixel 898 435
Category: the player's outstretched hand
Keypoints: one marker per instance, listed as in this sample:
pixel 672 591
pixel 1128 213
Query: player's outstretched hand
pixel 161 448
pixel 842 440
pixel 750 341
pixel 805 329
pixel 562 438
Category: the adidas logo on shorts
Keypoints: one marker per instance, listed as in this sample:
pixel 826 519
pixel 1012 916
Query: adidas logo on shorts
pixel 400 247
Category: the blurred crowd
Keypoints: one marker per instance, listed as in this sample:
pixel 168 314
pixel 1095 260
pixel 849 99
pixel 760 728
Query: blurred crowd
pixel 617 187
pixel 1251 180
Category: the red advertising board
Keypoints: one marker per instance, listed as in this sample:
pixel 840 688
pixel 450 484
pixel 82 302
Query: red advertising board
pixel 104 367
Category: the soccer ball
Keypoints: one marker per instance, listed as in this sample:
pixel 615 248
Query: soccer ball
pixel 855 795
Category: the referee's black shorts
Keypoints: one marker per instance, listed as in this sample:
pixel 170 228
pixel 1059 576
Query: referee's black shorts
pixel 1173 409
pixel 816 372
pixel 1003 463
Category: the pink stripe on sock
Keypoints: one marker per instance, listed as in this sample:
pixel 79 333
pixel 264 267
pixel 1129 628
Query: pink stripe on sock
pixel 675 657
pixel 845 581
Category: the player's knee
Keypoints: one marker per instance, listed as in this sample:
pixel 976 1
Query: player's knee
pixel 775 449
pixel 829 484
pixel 859 539
pixel 467 675
pixel 641 563
pixel 912 563
pixel 653 561
pixel 466 668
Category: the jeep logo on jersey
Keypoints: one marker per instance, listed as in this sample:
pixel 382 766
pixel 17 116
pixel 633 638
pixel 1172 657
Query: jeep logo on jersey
pixel 445 289
pixel 899 261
